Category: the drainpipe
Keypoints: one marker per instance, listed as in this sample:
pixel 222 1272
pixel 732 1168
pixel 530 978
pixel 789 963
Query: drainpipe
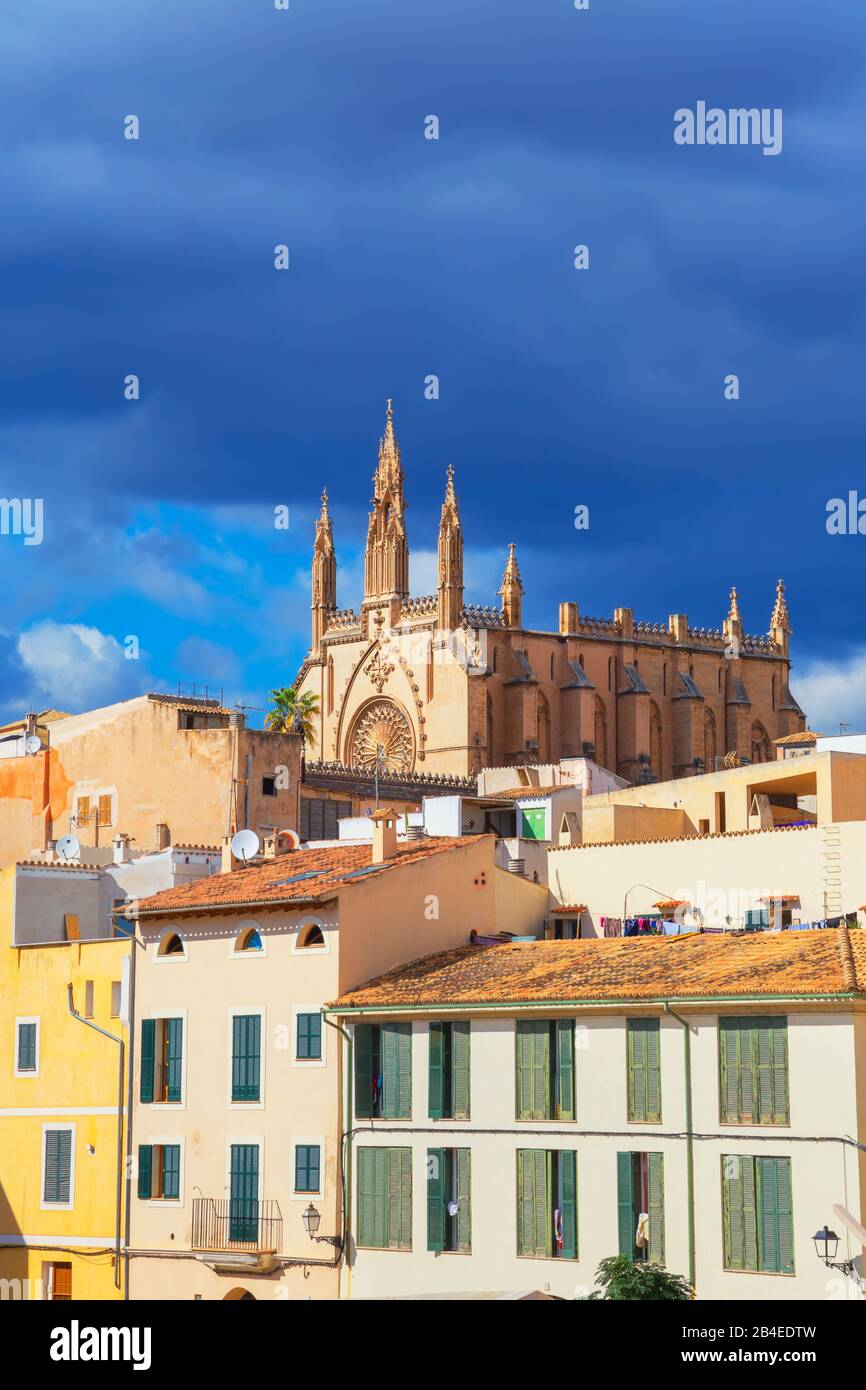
pixel 346 1142
pixel 119 1196
pixel 690 1140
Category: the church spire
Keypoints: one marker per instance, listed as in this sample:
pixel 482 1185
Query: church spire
pixel 386 566
pixel 734 610
pixel 450 584
pixel 780 621
pixel 324 585
pixel 511 591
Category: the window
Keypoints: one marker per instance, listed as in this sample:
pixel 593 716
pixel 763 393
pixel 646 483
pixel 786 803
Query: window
pixel 448 1071
pixel 246 1057
pixel 57 1166
pixel 88 999
pixel 449 1215
pixel 545 1070
pixel 308 1045
pixel 644 1070
pixel 319 818
pixel 383 1071
pixel 269 786
pixel 244 1211
pixel 308 1162
pixel 249 940
pixel 758 1214
pixel 57 1282
pixel 115 998
pixel 757 919
pixel 640 1197
pixel 123 926
pixel 105 816
pixel 27 1047
pixel 566 929
pixel 72 926
pixel 547 1203
pixel 312 937
pixel 82 810
pixel 159 1172
pixel 385 1198
pixel 161 1060
pixel 753 1066
pixel 171 945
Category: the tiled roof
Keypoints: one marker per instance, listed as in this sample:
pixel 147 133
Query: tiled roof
pixel 302 875
pixel 185 702
pixel 758 964
pixel 524 793
pixel 575 907
pixel 806 736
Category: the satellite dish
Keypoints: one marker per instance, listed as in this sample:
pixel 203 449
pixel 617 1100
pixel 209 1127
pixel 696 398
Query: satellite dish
pixel 68 848
pixel 245 845
pixel 32 744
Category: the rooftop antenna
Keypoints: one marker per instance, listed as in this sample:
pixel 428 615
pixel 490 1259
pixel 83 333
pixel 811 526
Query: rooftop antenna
pixel 68 849
pixel 245 845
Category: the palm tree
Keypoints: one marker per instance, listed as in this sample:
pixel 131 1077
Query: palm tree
pixel 293 713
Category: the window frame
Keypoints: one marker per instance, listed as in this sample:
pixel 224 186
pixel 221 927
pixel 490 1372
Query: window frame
pixel 298 1011
pixel 308 1141
pixel 246 1012
pixel 164 1016
pixel 29 1073
pixel 163 1142
pixel 69 1127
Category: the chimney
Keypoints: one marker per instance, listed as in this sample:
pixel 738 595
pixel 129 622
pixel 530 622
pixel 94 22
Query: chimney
pixel 121 848
pixel 228 860
pixel 384 834
pixel 237 719
pixel 163 836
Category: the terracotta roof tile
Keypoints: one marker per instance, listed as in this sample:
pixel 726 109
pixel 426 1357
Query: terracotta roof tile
pixel 525 793
pixel 301 875
pixel 832 961
pixel 806 736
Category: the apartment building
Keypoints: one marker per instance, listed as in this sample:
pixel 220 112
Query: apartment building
pixel 238 1189
pixel 519 1112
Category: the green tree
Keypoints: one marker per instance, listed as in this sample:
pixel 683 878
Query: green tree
pixel 621 1278
pixel 293 713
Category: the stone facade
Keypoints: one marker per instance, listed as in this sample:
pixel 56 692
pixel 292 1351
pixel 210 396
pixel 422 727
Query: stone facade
pixel 432 684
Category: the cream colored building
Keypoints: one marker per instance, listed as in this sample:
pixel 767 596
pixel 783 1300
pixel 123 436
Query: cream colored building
pixel 595 1091
pixel 236 1079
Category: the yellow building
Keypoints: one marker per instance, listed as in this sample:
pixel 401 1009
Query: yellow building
pixel 62 1086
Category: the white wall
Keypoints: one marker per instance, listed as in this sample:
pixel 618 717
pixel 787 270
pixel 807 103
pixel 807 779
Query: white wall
pixel 822 1173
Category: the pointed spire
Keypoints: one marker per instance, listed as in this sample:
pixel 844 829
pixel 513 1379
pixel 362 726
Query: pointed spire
pixel 511 591
pixel 734 614
pixel 450 554
pixel 324 575
pixel 324 514
pixel 386 563
pixel 780 617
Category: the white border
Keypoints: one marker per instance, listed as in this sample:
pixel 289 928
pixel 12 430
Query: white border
pixel 305 1062
pixel 58 1206
pixel 24 1018
pixel 236 1011
pixel 318 1141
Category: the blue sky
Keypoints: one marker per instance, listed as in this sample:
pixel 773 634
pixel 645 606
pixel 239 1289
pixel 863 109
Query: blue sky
pixel 411 257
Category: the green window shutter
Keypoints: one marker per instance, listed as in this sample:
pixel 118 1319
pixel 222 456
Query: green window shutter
pixel 307 1167
pixel 785 1215
pixel 636 1054
pixel 653 1070
pixel 58 1165
pixel 366 1196
pixel 26 1047
pixel 435 1073
pixel 246 1057
pixel 730 1069
pixel 775 1216
pixel 460 1047
pixel 533 1041
pixel 564 1079
pixel 656 1185
pixel 399 1199
pixel 145 1170
pixel 171 1171
pixel 464 1200
pixel 364 1071
pixel 309 1039
pixel 568 1203
pixel 625 1204
pixel 174 1057
pixel 770 1062
pixel 397 1071
pixel 436 1199
pixel 148 1040
pixel 740 1212
pixel 534 1216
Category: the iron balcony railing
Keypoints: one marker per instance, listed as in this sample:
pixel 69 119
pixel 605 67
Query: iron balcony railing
pixel 236 1223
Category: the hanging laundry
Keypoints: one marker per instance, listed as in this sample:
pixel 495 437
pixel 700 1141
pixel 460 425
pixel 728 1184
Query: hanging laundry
pixel 641 1238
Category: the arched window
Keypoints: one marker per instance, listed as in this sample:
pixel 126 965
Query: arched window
pixel 710 745
pixel 311 939
pixel 171 945
pixel 490 762
pixel 543 727
pixel 762 751
pixel 248 939
pixel 600 732
pixel 774 692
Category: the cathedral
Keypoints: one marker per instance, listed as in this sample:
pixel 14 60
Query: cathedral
pixel 433 685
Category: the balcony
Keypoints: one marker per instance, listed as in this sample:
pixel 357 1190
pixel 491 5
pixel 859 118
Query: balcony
pixel 236 1226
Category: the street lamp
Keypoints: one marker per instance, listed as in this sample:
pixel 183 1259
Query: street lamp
pixel 826 1245
pixel 312 1220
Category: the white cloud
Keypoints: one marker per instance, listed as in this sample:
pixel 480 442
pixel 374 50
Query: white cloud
pixel 73 667
pixel 833 693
